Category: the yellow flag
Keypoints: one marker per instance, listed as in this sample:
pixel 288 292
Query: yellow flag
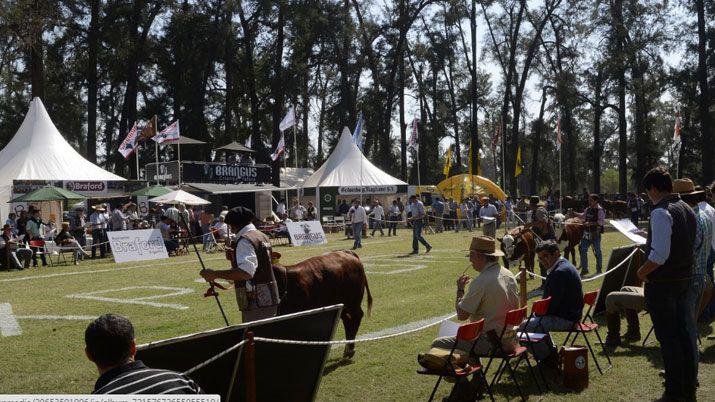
pixel 447 163
pixel 517 170
pixel 479 164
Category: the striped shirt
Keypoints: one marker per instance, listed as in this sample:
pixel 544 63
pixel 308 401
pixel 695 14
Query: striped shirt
pixel 136 378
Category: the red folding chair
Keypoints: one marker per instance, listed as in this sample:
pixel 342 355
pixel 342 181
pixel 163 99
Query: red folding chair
pixel 538 310
pixel 38 247
pixel 582 327
pixel 470 333
pixel 513 318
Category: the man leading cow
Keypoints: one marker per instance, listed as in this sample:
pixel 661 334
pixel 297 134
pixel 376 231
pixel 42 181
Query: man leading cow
pixel 251 268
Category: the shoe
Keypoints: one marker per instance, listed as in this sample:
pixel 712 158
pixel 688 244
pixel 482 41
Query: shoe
pixel 428 249
pixel 414 252
pixel 584 273
pixel 354 248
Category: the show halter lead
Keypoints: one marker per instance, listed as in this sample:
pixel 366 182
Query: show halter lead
pixel 210 291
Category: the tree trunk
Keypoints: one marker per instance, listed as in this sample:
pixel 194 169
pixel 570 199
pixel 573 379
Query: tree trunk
pixel 278 91
pixel 92 45
pixel 706 133
pixel 229 69
pixel 249 37
pixel 616 10
pixel 597 148
pixel 536 151
pixel 474 123
pixel 642 139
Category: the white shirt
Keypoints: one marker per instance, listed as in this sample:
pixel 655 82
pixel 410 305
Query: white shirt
pixel 222 229
pixel 378 212
pixel 98 220
pixel 281 209
pixel 489 211
pixel 359 215
pixel 246 258
pixel 710 213
pixel 297 212
pixel 394 209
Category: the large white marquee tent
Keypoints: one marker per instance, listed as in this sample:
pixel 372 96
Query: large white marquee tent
pixel 39 152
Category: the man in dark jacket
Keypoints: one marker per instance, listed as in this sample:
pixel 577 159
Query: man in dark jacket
pixel 667 275
pixel 563 285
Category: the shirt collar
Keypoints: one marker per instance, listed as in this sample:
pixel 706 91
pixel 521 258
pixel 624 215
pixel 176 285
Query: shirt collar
pixel 556 264
pixel 108 376
pixel 491 265
pixel 246 229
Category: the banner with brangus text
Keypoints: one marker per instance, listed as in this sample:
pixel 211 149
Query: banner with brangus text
pixel 306 233
pixel 137 245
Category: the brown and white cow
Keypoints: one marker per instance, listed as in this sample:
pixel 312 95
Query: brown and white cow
pixel 568 235
pixel 519 243
pixel 333 278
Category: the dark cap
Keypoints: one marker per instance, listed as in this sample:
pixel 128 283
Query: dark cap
pixel 239 216
pixel 534 199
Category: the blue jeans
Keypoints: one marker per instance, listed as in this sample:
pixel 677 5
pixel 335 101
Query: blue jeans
pixel 671 310
pixel 709 311
pixel 208 241
pixel 417 235
pixel 357 234
pixel 595 241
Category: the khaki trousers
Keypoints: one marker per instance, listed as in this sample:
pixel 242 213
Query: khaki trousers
pixel 258 314
pixel 628 298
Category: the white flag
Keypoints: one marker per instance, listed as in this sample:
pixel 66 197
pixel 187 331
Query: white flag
pixel 414 136
pixel 128 146
pixel 170 133
pixel 357 134
pixel 248 142
pixel 677 129
pixel 279 149
pixel 288 121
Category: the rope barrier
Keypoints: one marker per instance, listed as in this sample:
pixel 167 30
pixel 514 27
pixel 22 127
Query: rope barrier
pixel 342 342
pixel 593 278
pixel 214 358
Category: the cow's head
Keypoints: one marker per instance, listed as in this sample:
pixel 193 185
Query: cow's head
pixel 508 242
pixel 559 222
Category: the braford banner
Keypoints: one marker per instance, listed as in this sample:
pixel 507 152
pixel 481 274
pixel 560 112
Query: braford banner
pixel 198 172
pixel 347 190
pixel 306 233
pixel 88 188
pixel 137 245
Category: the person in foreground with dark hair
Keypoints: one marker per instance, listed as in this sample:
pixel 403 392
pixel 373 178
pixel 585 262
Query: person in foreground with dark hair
pixel 109 343
pixel 667 275
pixel 563 285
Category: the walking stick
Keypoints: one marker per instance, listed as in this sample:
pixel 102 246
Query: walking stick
pixel 211 291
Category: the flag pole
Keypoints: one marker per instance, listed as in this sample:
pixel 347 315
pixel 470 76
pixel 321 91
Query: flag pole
pixel 156 152
pixel 136 154
pixel 561 194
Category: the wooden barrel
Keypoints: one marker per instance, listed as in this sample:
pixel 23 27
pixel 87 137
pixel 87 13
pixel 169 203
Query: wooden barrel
pixel 574 364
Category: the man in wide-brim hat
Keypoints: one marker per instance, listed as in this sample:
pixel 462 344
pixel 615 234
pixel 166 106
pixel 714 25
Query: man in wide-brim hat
pixel 489 296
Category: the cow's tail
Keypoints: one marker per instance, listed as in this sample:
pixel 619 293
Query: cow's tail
pixel 369 296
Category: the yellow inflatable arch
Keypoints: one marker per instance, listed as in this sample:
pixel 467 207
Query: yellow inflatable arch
pixel 465 185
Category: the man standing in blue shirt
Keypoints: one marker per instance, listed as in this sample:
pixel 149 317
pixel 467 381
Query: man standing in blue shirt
pixel 438 207
pixel 667 274
pixel 418 214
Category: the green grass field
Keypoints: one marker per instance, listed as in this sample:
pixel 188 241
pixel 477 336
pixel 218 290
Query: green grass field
pixel 48 356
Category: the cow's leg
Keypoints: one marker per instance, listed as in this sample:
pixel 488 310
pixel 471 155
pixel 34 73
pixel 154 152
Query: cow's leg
pixel 351 322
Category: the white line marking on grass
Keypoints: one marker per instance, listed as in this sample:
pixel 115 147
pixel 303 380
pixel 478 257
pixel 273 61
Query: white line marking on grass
pixel 97 271
pixel 8 322
pixel 57 317
pixel 397 271
pixel 399 328
pixel 137 300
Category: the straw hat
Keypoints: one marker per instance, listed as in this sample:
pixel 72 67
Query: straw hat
pixel 485 245
pixel 685 186
pixel 98 208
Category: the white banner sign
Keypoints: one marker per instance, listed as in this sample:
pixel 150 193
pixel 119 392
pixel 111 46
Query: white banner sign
pixel 137 245
pixel 347 190
pixel 306 233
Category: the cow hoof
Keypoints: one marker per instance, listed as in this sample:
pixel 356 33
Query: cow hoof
pixel 348 353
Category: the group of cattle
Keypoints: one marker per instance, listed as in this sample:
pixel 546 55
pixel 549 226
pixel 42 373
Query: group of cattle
pixel 614 209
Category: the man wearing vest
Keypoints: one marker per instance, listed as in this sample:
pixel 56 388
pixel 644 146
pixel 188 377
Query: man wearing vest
pixel 251 269
pixel 593 217
pixel 540 222
pixel 667 275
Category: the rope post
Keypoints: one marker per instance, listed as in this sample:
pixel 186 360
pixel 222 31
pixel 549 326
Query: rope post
pixel 250 367
pixel 522 284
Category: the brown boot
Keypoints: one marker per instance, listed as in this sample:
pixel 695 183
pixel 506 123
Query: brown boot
pixel 613 338
pixel 633 334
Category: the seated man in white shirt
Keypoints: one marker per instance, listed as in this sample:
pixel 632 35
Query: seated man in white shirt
pixel 165 227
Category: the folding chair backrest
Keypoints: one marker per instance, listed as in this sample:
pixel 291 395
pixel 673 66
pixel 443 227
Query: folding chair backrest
pixel 515 317
pixel 471 331
pixel 590 297
pixel 540 307
pixel 37 243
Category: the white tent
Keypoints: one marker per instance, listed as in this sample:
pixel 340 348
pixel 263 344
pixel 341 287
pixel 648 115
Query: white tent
pixel 39 152
pixel 179 197
pixel 347 166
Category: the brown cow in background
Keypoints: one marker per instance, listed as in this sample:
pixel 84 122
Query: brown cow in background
pixel 569 233
pixel 333 278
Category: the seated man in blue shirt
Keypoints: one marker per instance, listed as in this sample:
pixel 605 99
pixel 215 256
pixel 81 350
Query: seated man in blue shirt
pixel 563 285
